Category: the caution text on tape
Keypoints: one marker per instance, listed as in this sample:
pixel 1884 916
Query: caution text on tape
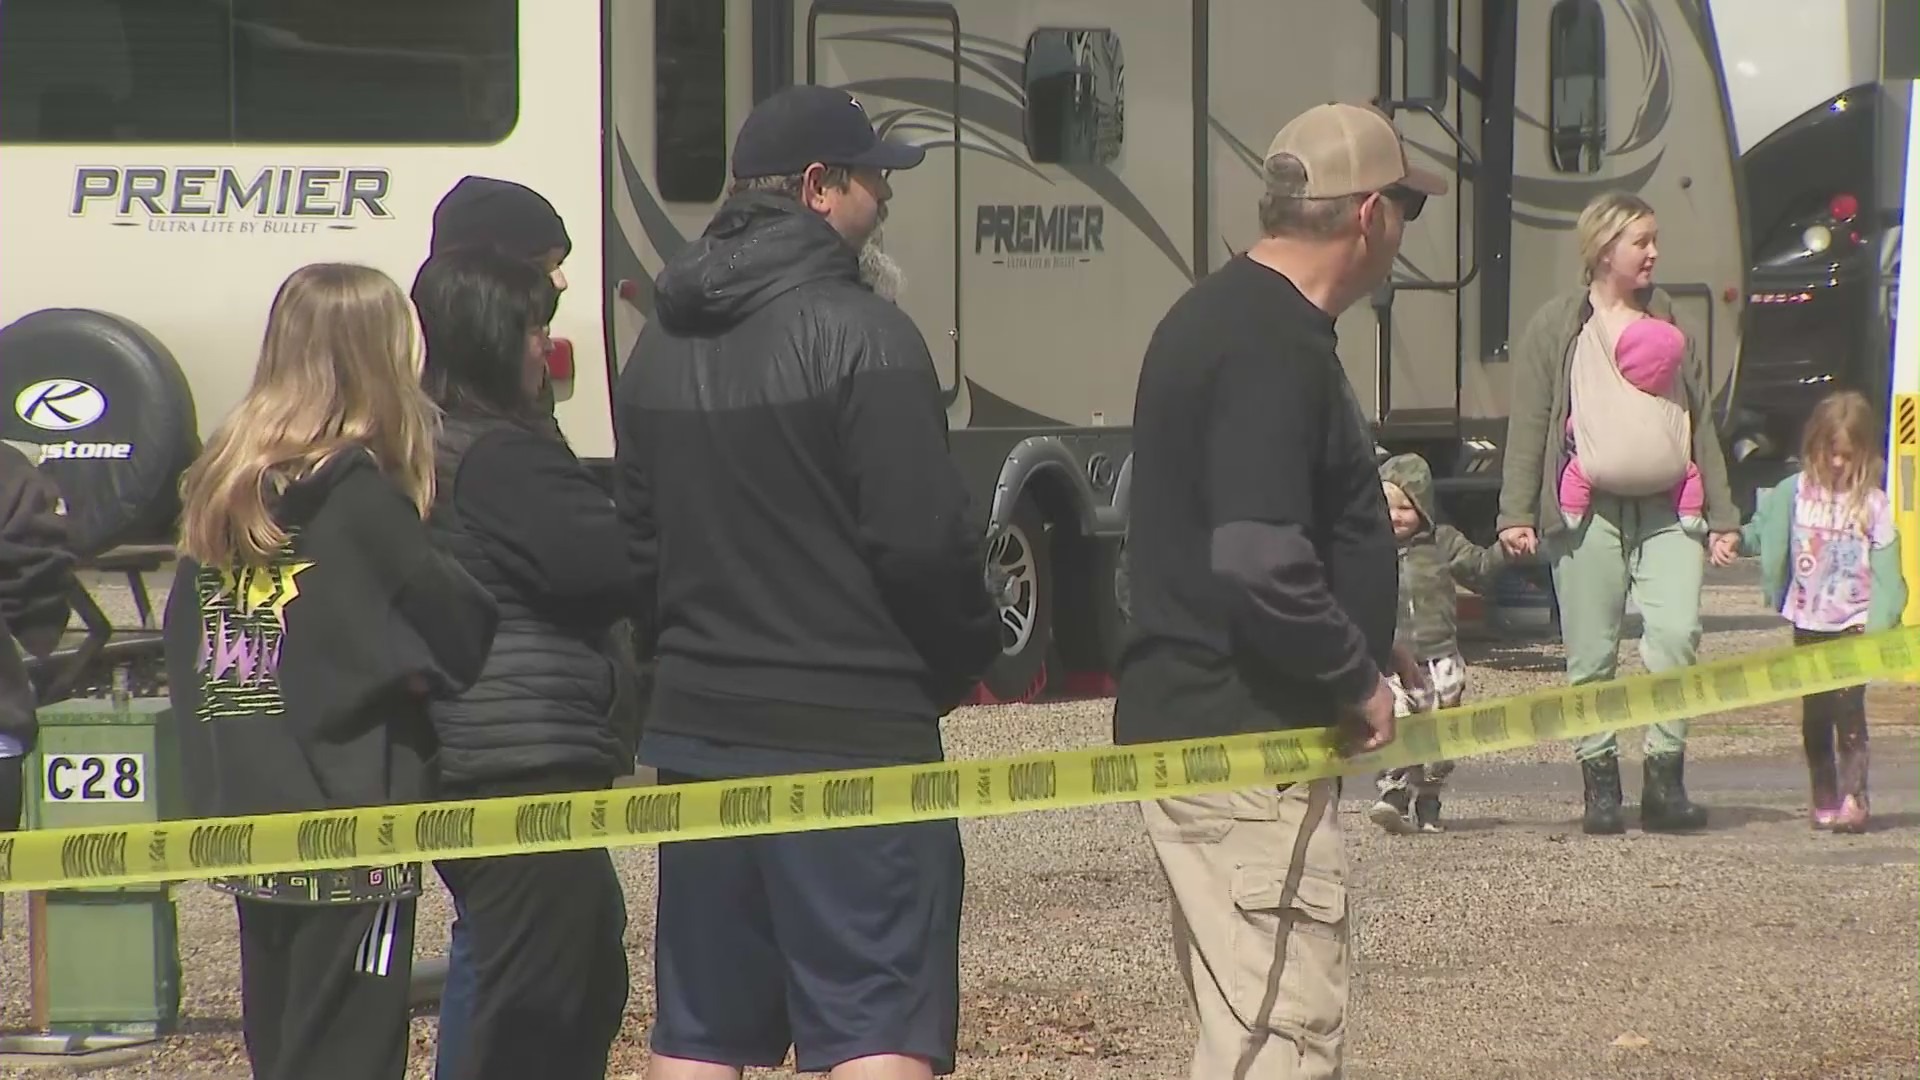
pixel 1053 780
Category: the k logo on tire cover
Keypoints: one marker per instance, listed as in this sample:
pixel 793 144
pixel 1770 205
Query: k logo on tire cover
pixel 60 404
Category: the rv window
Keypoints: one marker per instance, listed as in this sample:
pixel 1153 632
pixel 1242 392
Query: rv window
pixel 258 71
pixel 689 99
pixel 1423 56
pixel 1076 110
pixel 1577 71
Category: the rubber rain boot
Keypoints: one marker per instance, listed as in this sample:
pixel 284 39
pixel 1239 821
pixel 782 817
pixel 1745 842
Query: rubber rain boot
pixel 1602 778
pixel 1824 788
pixel 1853 815
pixel 1664 806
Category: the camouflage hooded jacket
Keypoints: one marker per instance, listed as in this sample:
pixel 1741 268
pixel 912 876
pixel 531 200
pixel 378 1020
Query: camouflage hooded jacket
pixel 1432 562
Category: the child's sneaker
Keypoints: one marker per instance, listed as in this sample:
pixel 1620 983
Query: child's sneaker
pixel 1390 813
pixel 1426 814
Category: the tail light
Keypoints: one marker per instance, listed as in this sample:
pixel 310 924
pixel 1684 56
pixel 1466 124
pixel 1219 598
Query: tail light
pixel 1843 207
pixel 560 360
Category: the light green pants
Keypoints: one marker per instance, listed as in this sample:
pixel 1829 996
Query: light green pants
pixel 1628 547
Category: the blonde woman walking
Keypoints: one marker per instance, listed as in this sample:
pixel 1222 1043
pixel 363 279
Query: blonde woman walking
pixel 1635 448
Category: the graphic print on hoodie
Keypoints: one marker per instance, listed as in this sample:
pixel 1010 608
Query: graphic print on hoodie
pixel 244 616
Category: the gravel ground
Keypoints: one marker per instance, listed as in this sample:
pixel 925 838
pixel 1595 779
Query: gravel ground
pixel 1511 947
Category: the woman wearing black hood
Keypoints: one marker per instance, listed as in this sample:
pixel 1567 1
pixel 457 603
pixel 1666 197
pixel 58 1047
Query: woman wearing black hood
pixel 520 513
pixel 509 218
pixel 516 221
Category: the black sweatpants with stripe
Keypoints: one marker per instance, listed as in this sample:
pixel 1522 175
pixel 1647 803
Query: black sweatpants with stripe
pixel 323 989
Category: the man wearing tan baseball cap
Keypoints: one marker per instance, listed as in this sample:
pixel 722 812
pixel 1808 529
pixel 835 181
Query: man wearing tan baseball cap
pixel 1263 578
pixel 1351 150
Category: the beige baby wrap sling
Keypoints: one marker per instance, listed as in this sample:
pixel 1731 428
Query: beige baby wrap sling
pixel 1629 442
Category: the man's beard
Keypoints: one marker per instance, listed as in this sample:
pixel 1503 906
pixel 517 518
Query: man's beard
pixel 879 270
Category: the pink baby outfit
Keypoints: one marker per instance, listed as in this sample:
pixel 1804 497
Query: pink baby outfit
pixel 1649 354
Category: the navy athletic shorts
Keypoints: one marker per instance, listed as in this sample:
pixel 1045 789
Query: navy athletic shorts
pixel 842 944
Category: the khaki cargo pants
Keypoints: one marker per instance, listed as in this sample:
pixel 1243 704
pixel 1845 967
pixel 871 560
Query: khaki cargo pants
pixel 1260 928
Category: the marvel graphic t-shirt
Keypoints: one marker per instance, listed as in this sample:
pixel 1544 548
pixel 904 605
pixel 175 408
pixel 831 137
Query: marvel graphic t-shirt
pixel 1832 538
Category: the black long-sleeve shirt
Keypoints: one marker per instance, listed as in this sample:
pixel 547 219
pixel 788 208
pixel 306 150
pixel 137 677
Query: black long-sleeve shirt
pixel 1261 561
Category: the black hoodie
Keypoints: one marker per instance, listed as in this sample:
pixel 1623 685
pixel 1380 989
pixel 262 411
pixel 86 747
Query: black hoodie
pixel 812 569
pixel 302 685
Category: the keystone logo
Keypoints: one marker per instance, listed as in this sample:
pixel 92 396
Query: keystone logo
pixel 60 404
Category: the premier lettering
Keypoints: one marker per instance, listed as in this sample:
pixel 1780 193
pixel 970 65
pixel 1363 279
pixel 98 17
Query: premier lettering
pixel 937 790
pixel 1031 780
pixel 744 806
pixel 850 797
pixel 1115 773
pixel 538 823
pixel 329 838
pixel 94 855
pixel 1206 764
pixel 647 814
pixel 207 191
pixel 443 830
pixel 220 845
pixel 1031 230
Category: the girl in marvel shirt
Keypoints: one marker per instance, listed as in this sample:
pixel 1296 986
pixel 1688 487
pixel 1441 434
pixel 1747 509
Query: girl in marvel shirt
pixel 1830 563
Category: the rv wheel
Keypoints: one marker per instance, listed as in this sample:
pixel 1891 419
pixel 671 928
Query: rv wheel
pixel 104 409
pixel 1090 620
pixel 1020 558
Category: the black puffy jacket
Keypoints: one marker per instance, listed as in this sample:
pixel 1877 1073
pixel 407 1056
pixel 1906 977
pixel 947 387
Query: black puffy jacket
pixel 802 532
pixel 521 515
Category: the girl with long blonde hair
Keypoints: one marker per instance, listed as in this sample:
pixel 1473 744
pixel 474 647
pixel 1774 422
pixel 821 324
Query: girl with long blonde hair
pixel 1830 563
pixel 339 369
pixel 309 622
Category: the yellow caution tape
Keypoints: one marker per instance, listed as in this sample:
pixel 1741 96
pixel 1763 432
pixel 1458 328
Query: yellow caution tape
pixel 1053 780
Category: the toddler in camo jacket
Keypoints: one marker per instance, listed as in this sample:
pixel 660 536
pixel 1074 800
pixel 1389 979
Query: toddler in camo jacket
pixel 1434 558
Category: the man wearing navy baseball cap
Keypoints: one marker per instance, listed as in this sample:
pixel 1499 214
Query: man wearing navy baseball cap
pixel 814 594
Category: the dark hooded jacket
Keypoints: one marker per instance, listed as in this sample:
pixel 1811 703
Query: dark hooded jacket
pixel 812 567
pixel 1432 562
pixel 302 684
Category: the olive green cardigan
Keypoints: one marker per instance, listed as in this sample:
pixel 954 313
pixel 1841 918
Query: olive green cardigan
pixel 1540 401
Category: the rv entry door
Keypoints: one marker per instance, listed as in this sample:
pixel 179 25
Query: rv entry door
pixel 1417 314
pixel 901 61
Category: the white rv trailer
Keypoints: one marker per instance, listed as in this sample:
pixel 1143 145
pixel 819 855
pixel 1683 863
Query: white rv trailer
pixel 168 162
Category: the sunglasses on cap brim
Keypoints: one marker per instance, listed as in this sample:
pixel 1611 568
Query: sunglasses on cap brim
pixel 1409 201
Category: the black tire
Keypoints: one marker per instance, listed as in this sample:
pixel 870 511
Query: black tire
pixel 113 418
pixel 1090 624
pixel 1026 619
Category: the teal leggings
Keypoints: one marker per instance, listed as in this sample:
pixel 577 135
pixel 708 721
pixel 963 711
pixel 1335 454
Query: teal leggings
pixel 1637 548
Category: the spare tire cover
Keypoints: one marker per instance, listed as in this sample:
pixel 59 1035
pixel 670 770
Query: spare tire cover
pixel 112 416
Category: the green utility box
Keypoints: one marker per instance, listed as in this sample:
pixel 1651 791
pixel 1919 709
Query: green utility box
pixel 111 956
